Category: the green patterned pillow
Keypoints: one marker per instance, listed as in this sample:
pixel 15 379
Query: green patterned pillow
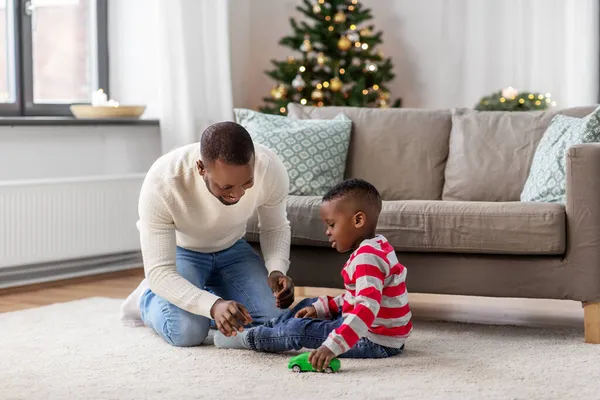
pixel 547 177
pixel 313 151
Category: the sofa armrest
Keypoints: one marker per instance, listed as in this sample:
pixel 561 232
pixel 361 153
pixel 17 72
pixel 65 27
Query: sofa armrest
pixel 583 221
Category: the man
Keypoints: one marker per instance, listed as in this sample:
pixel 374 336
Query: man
pixel 193 208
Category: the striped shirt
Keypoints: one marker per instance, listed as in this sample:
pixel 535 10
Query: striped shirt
pixel 375 304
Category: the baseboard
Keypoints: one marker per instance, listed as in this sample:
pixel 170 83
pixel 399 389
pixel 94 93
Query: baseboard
pixel 48 272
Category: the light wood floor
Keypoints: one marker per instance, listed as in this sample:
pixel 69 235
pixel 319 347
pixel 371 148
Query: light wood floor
pixel 114 285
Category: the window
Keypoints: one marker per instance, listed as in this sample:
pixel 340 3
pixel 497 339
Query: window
pixel 53 53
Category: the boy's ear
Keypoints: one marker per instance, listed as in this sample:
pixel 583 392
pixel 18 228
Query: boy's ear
pixel 360 219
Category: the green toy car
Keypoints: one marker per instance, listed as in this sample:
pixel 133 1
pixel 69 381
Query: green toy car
pixel 300 363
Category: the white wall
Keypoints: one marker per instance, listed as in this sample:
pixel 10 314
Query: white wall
pixel 62 151
pixel 446 53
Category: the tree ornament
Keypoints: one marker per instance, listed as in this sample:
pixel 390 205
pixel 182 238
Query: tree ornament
pixel 298 82
pixel 384 96
pixel 291 59
pixel 321 59
pixel 339 17
pixel 344 44
pixel 365 32
pixel 306 46
pixel 316 95
pixel 353 36
pixel 336 84
pixel 316 9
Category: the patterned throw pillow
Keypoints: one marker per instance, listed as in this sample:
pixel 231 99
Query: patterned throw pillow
pixel 547 177
pixel 313 151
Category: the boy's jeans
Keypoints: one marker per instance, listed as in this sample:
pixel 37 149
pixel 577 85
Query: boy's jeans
pixel 289 333
pixel 237 273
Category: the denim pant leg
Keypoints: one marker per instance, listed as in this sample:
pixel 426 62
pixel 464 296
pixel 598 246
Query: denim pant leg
pixel 289 314
pixel 240 274
pixel 292 334
pixel 364 348
pixel 177 326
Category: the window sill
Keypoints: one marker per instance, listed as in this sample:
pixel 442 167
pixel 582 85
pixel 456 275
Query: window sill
pixel 47 121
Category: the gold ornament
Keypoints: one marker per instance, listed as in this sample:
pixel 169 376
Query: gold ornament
pixel 339 17
pixel 278 92
pixel 291 59
pixel 365 32
pixel 316 95
pixel 321 59
pixel 316 9
pixel 384 96
pixel 275 94
pixel 306 46
pixel 336 84
pixel 344 44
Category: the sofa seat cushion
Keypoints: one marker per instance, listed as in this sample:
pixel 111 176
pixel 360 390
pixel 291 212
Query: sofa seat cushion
pixel 446 226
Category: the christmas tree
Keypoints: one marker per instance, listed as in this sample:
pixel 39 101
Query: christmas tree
pixel 339 64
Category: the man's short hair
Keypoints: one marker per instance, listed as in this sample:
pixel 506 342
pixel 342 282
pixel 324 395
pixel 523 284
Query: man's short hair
pixel 360 191
pixel 228 142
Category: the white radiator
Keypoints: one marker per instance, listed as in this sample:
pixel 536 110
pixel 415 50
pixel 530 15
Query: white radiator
pixel 51 220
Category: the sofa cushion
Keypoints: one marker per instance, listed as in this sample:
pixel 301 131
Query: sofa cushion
pixel 448 227
pixel 313 151
pixel 402 152
pixel 547 179
pixel 491 152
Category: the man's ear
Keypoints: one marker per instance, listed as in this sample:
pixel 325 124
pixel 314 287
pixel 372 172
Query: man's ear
pixel 360 219
pixel 201 168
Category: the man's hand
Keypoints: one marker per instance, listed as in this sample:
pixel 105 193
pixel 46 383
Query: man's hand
pixel 307 312
pixel 230 316
pixel 320 358
pixel 283 289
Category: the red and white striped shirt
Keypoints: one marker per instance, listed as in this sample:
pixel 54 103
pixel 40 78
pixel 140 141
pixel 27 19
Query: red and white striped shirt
pixel 375 304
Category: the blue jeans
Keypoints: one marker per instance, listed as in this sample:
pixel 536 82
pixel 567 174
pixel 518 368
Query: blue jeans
pixel 288 333
pixel 237 273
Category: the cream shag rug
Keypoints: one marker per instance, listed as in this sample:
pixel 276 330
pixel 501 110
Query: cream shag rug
pixel 79 350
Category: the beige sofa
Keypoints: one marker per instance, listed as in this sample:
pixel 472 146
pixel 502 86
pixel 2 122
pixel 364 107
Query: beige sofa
pixel 451 182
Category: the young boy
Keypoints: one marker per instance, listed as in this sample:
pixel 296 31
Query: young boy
pixel 372 319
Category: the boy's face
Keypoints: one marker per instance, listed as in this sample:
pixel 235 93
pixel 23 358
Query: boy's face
pixel 343 224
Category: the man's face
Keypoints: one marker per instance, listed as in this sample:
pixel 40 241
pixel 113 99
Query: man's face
pixel 227 182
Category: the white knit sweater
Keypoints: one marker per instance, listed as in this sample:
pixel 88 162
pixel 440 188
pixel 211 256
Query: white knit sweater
pixel 176 209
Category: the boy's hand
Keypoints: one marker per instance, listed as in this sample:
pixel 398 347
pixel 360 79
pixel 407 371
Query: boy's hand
pixel 320 358
pixel 307 312
pixel 283 289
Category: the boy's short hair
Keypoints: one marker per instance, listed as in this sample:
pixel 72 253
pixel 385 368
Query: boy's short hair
pixel 362 192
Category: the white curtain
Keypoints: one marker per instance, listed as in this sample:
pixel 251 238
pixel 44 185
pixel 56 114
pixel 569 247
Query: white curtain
pixel 194 68
pixel 538 45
